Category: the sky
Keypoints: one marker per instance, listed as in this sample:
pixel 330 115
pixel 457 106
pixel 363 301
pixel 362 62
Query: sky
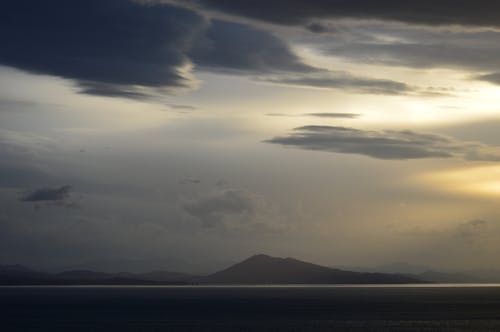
pixel 188 135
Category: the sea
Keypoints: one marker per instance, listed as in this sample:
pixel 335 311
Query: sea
pixel 429 307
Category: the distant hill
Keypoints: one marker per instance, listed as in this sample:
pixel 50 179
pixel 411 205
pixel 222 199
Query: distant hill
pixel 444 277
pixel 19 275
pixel 160 276
pixel 487 275
pixel 13 274
pixel 83 275
pixel 402 267
pixel 423 272
pixel 258 269
pixel 263 269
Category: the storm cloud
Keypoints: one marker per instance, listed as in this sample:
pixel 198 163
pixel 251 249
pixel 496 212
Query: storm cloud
pixel 228 46
pixel 118 48
pixel 122 48
pixel 388 144
pixel 303 12
pixel 111 43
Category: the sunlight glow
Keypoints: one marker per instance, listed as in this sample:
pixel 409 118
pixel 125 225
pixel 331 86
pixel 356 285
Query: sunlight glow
pixel 480 180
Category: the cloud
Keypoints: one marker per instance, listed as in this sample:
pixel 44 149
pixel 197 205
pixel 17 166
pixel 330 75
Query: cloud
pixel 47 194
pixel 471 230
pixel 212 209
pixel 234 47
pixel 190 180
pixel 183 108
pixel 317 27
pixel 59 196
pixel 388 144
pixel 492 78
pixel 109 47
pixel 372 41
pixel 449 51
pixel 112 90
pixel 342 80
pixel 128 49
pixel 303 12
pixel 334 115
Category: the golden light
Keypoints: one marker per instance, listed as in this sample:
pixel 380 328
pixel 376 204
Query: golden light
pixel 479 180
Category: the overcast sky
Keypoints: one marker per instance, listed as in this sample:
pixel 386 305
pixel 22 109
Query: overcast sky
pixel 188 135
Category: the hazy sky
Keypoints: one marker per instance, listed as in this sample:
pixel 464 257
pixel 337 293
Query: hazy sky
pixel 187 135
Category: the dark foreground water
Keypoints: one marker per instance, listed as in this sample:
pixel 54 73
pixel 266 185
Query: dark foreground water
pixel 263 309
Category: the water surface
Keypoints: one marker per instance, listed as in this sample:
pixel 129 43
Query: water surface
pixel 450 307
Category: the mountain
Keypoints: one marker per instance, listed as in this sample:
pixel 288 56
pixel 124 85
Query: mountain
pixel 19 275
pixel 160 276
pixel 11 274
pixel 444 277
pixel 486 275
pixel 258 269
pixel 263 269
pixel 83 275
pixel 402 267
pixel 423 272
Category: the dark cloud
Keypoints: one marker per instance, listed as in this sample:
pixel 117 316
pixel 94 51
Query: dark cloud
pixel 388 144
pixel 111 90
pixel 104 45
pixel 342 80
pixel 228 46
pixel 302 12
pixel 492 78
pixel 321 115
pixel 317 27
pixel 183 107
pixel 47 194
pixel 335 115
pixel 190 180
pixel 212 209
pixel 121 48
pixel 375 43
pixel 449 52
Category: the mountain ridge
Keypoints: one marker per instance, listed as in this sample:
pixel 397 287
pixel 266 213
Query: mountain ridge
pixel 256 269
pixel 265 269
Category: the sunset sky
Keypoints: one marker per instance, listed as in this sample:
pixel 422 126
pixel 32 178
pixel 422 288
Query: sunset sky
pixel 187 135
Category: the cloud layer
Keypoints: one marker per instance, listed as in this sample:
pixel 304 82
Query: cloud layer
pixel 302 12
pixel 104 45
pixel 228 46
pixel 388 144
pixel 122 48
pixel 342 80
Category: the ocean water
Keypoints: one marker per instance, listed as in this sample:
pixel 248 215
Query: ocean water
pixel 251 308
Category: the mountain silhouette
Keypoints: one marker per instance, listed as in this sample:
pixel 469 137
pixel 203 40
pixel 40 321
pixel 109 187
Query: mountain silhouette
pixel 264 269
pixel 258 269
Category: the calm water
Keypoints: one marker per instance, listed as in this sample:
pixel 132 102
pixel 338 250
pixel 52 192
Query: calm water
pixel 299 308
